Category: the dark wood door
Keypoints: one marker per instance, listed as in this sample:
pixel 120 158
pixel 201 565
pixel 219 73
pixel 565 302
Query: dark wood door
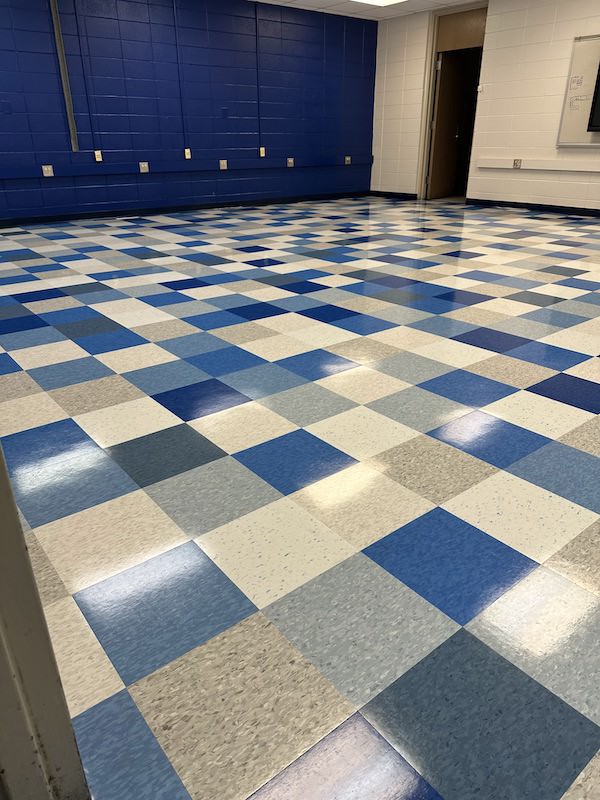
pixel 453 121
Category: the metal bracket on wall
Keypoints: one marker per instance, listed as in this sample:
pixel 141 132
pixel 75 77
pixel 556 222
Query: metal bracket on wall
pixel 290 162
pixel 64 75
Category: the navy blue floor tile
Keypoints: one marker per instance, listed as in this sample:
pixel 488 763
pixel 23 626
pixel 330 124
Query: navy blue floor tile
pixel 121 756
pixel 199 399
pixel 150 614
pixel 293 461
pixel 570 390
pixel 457 567
pixel 489 339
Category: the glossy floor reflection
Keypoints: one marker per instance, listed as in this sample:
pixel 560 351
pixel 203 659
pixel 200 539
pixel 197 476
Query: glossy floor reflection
pixel 312 495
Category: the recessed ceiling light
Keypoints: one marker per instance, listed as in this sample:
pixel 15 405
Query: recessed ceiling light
pixel 380 2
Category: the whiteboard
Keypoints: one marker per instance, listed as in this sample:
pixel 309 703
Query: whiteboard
pixel 579 95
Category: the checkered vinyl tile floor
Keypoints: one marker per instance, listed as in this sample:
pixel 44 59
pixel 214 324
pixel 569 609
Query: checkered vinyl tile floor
pixel 312 495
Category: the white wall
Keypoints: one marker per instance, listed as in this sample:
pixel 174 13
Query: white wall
pixel 524 74
pixel 401 60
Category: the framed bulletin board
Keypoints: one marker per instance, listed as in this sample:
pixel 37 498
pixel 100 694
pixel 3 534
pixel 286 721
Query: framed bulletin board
pixel 581 84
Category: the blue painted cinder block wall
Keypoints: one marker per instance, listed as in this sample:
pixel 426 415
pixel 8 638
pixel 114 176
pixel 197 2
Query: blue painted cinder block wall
pixel 151 77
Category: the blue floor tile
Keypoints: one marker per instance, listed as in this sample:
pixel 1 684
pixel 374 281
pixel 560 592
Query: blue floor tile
pixel 570 390
pixel 68 373
pixel 293 461
pixel 316 364
pixel 121 756
pixel 57 469
pixel 489 339
pixel 150 614
pixel 547 355
pixel 491 439
pixel 227 359
pixel 468 388
pixel 199 399
pixel 458 568
pixel 563 470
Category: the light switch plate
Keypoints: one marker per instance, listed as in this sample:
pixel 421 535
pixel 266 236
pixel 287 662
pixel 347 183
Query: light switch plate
pixel 347 160
pixel 187 153
pixel 290 162
pixel 98 155
pixel 47 170
pixel 144 166
pixel 262 152
pixel 223 163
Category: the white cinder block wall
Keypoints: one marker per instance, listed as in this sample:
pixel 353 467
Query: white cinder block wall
pixel 401 59
pixel 524 74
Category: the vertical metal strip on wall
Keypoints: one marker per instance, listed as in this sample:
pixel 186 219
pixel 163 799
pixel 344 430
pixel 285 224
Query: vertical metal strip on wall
pixel 64 75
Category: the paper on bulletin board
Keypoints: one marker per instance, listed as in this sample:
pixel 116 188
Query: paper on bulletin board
pixel 581 83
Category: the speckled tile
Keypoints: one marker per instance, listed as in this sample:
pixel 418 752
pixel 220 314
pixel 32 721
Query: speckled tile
pixel 17 384
pixel 86 673
pixel 363 351
pixel 352 762
pixel 588 370
pixel 130 358
pixel 121 756
pixel 540 414
pixel 524 516
pixel 162 331
pixel 46 354
pixel 512 371
pixel 586 437
pixel 361 432
pixel 242 426
pixel 579 560
pixel 243 738
pixel 274 549
pixel 360 504
pixel 204 498
pixel 101 541
pixel 469 719
pixel 93 395
pixel 362 385
pixel 154 612
pixel 585 786
pixel 360 626
pixel 432 469
pixel 419 409
pixel 26 412
pixel 306 404
pixel 549 627
pixel 49 585
pixel 125 421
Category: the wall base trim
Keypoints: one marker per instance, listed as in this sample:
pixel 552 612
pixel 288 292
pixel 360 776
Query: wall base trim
pixel 128 211
pixel 584 212
pixel 394 195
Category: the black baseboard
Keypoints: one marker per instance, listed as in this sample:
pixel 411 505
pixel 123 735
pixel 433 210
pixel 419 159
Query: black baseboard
pixel 144 212
pixel 395 195
pixel 580 212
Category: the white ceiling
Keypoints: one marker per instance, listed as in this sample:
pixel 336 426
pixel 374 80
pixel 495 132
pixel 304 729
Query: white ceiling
pixel 367 10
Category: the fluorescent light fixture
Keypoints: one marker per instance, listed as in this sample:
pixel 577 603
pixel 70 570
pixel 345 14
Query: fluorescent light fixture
pixel 380 3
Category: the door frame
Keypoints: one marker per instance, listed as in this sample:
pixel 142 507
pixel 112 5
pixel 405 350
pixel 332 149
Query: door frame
pixel 429 96
pixel 39 759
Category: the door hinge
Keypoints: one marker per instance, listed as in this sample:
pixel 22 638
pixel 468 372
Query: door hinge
pixel 438 64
